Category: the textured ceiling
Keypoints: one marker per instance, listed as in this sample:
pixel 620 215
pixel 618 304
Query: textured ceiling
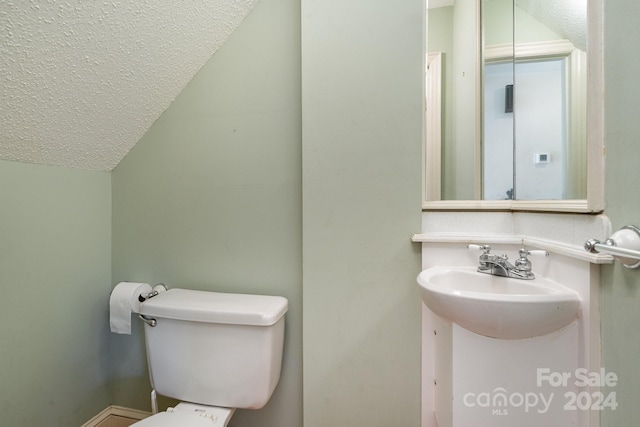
pixel 567 18
pixel 82 81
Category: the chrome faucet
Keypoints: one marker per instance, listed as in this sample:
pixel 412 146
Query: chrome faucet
pixel 499 265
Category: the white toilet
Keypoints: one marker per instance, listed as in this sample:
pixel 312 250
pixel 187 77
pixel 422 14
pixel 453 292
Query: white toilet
pixel 215 352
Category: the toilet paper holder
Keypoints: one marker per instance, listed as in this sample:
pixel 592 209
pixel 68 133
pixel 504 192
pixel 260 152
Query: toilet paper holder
pixel 153 293
pixel 143 297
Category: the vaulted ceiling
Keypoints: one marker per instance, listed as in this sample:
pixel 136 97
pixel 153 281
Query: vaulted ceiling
pixel 82 81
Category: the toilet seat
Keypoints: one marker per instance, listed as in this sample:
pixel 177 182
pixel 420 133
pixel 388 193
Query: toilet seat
pixel 189 415
pixel 173 419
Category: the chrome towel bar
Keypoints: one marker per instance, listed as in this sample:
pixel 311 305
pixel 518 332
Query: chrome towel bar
pixel 624 245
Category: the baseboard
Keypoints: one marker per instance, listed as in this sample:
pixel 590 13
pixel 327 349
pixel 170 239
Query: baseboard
pixel 116 416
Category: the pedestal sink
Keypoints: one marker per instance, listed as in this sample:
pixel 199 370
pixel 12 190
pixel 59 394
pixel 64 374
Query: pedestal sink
pixel 498 307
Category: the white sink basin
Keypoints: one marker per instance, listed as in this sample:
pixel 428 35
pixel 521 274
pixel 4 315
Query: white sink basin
pixel 498 307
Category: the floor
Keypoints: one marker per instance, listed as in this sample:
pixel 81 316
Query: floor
pixel 117 421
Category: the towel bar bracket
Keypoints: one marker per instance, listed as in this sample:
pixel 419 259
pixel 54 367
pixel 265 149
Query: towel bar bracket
pixel 624 245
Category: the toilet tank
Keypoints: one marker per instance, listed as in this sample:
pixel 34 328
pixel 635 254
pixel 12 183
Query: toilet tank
pixel 214 348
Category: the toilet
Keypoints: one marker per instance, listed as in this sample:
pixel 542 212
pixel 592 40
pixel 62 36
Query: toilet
pixel 214 352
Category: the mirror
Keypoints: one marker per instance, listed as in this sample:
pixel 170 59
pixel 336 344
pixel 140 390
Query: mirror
pixel 513 105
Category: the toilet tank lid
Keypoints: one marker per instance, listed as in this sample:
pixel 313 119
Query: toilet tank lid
pixel 216 307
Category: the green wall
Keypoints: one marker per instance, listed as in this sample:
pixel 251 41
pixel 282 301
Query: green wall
pixel 210 198
pixel 620 286
pixel 362 72
pixel 55 234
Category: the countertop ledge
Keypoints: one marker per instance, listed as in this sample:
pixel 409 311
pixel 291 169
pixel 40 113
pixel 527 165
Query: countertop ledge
pixel 573 251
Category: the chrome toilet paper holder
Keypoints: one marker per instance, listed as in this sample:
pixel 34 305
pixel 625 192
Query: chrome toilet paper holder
pixel 143 297
pixel 153 293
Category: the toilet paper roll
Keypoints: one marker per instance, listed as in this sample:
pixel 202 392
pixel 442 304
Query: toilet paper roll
pixel 123 301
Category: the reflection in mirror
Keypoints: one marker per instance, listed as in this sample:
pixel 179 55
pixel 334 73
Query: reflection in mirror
pixel 550 74
pixel 498 100
pixel 528 139
pixel 454 31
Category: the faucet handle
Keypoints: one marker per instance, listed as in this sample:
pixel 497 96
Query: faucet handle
pixel 525 253
pixel 523 264
pixel 484 248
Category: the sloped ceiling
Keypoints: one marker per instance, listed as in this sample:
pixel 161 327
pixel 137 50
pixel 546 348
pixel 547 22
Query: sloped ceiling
pixel 567 18
pixel 82 81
